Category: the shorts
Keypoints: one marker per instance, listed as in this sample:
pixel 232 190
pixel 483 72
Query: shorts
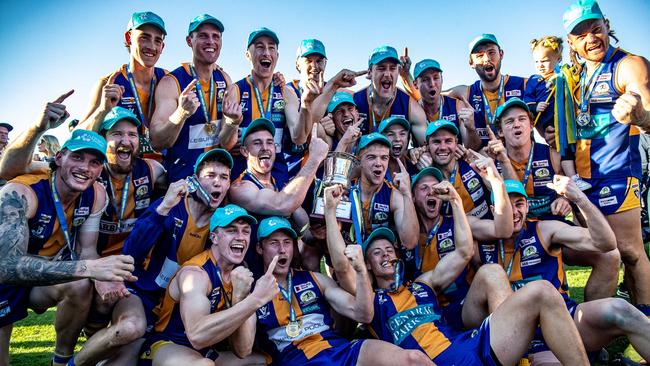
pixel 14 301
pixel 469 348
pixel 149 301
pixel 155 343
pixel 614 195
pixel 538 344
pixel 453 315
pixel 340 352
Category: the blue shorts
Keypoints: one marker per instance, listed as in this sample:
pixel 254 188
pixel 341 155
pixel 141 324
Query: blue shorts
pixel 538 344
pixel 469 348
pixel 614 195
pixel 149 301
pixel 14 301
pixel 341 352
pixel 453 314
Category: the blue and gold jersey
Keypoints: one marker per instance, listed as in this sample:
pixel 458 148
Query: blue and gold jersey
pixel 194 138
pixel 410 318
pixel 538 89
pixel 128 100
pixel 399 106
pixel 376 212
pixel 472 191
pixel 606 148
pixel 170 326
pixel 514 86
pixel 45 235
pixel 112 232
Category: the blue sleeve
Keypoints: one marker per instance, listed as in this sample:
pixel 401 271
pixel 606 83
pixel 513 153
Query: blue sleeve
pixel 145 233
pixel 531 93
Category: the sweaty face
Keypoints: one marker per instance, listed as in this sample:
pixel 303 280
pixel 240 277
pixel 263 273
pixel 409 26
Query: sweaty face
pixel 381 258
pixel 590 39
pixel 545 60
pixel 441 146
pixel 383 77
pixel 259 150
pixel 426 202
pixel 310 67
pixel 429 84
pixel 146 44
pixel 78 170
pixel 486 60
pixel 206 43
pixel 344 116
pixel 399 138
pixel 519 210
pixel 123 145
pixel 374 162
pixel 215 178
pixel 263 55
pixel 232 241
pixel 516 127
pixel 281 244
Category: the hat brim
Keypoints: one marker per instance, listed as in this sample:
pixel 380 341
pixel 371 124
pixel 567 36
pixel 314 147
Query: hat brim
pixel 377 234
pixel 109 124
pixel 425 69
pixel 264 33
pixel 7 126
pixel 581 19
pixel 312 52
pixel 257 125
pixel 214 22
pixel 224 156
pixel 74 146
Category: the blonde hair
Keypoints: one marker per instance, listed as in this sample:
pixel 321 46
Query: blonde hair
pixel 52 145
pixel 550 42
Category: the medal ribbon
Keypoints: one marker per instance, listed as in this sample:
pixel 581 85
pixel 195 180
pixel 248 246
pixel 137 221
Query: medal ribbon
pixel 226 299
pixel 486 103
pixel 502 254
pixel 260 102
pixel 432 233
pixel 119 210
pixel 206 108
pixel 585 95
pixel 357 214
pixel 529 165
pixel 136 96
pixel 286 294
pixel 371 111
pixel 193 180
pixel 69 242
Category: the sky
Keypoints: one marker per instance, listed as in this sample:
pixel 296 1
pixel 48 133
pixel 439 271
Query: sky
pixel 50 47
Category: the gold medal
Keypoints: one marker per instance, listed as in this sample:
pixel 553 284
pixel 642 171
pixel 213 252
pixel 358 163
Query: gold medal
pixel 210 128
pixel 583 118
pixel 293 329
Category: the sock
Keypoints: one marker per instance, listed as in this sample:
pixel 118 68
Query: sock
pixel 58 360
pixel 644 308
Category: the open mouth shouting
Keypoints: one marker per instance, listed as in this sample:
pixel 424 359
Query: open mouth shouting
pixel 347 122
pixel 238 248
pixel 266 64
pixel 215 197
pixel 377 174
pixel 386 85
pixel 396 149
pixel 124 154
pixel 283 261
pixel 432 204
pixel 264 158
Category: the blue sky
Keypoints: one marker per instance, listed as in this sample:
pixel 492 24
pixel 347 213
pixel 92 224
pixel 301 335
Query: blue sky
pixel 49 47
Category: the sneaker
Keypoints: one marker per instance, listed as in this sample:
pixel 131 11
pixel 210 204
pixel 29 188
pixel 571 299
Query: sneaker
pixel 582 184
pixel 622 292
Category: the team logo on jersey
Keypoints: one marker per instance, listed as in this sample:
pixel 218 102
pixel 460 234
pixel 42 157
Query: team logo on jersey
pixel 81 211
pixel 605 77
pixel 542 173
pixel 473 184
pixel 382 299
pixel 78 221
pixel 513 93
pixel 38 231
pixel 307 297
pixel 528 241
pixel 220 93
pixel 45 218
pixel 127 100
pixel 220 84
pixel 215 296
pixel 540 163
pixel 601 89
pixel 467 176
pixel 277 95
pixel 141 191
pixel 604 192
pixel 263 312
pixel 446 244
pixel 380 216
pixel 381 207
pixel 178 222
pixel 444 235
pixel 635 190
pixel 141 181
pixel 303 286
pixel 142 204
pixel 529 251
pixel 279 105
pixel 244 95
pixel 478 194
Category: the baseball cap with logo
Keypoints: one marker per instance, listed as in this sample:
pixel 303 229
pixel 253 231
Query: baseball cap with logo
pixel 199 20
pixel 86 140
pixel 424 65
pixel 373 138
pixel 272 224
pixel 221 155
pixel 433 127
pixel 309 47
pixel 224 216
pixel 339 98
pixel 118 114
pixel 260 32
pixel 580 11
pixel 256 125
pixel 428 171
pixel 383 126
pixel 482 39
pixel 138 19
pixel 378 233
pixel 382 53
pixel 512 102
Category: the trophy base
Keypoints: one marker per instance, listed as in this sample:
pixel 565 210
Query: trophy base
pixel 343 210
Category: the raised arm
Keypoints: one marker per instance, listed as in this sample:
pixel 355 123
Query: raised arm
pixel 501 226
pixel 172 110
pixel 335 243
pixel 103 98
pixel 633 78
pixel 452 264
pixel 401 201
pixel 358 307
pixel 418 119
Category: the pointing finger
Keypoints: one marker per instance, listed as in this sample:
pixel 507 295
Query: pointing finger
pixel 406 51
pixel 111 79
pixel 274 261
pixel 189 87
pixel 360 73
pixel 63 97
pixel 402 168
pixel 490 133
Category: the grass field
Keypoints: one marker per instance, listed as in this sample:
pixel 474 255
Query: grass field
pixel 32 342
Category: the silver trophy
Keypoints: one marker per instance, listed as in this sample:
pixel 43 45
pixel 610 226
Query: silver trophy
pixel 337 170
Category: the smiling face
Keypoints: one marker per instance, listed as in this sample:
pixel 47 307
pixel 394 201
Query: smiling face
pixel 145 44
pixel 281 244
pixel 311 67
pixel 232 241
pixel 515 127
pixel 519 211
pixel 77 170
pixel 429 83
pixel 123 144
pixel 259 151
pixel 344 116
pixel 441 145
pixel 486 60
pixel 399 139
pixel 590 39
pixel 263 55
pixel 381 258
pixel 214 177
pixel 374 162
pixel 383 77
pixel 427 204
pixel 205 42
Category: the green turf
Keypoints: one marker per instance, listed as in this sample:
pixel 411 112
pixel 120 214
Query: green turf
pixel 32 341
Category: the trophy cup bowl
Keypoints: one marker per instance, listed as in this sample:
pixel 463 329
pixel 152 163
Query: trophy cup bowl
pixel 338 169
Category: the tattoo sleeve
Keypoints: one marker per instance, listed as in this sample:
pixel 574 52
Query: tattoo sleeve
pixel 16 266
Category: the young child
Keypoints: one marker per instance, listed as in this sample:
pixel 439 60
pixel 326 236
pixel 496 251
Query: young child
pixel 540 93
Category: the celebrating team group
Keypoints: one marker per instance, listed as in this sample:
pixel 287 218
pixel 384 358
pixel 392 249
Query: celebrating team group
pixel 190 219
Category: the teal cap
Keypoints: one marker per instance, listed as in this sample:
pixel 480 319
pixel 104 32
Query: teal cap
pixel 138 19
pixel 373 138
pixel 86 140
pixel 118 114
pixel 383 126
pixel 221 156
pixel 259 32
pixel 309 47
pixel 198 20
pixel 425 64
pixel 580 11
pixel 256 125
pixel 378 233
pixel 382 53
pixel 428 171
pixel 512 186
pixel 224 216
pixel 483 38
pixel 339 98
pixel 441 123
pixel 512 102
pixel 272 224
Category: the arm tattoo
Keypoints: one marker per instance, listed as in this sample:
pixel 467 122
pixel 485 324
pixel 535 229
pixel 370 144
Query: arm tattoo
pixel 16 266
